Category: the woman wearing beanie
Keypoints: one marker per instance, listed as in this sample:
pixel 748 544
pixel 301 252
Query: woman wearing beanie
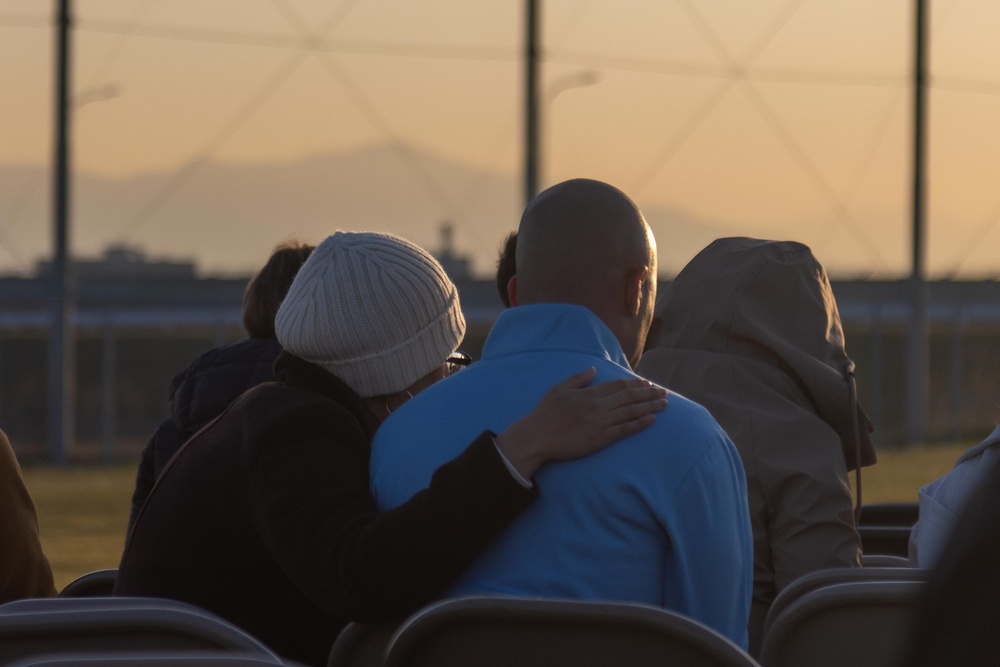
pixel 265 516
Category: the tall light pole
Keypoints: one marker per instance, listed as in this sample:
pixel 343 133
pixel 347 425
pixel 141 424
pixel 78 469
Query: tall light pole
pixel 531 121
pixel 61 343
pixel 917 343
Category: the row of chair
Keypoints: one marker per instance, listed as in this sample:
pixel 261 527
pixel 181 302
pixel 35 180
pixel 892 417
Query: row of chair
pixel 122 631
pixel 834 617
pixel 831 617
pixel 855 616
pixel 497 632
pixel 885 527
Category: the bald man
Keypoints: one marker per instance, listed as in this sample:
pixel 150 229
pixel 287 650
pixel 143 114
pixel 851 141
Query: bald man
pixel 660 517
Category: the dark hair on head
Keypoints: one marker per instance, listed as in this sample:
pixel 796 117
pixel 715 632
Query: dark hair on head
pixel 506 266
pixel 267 289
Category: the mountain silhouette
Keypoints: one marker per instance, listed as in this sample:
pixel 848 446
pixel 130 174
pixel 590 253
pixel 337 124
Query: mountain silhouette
pixel 227 217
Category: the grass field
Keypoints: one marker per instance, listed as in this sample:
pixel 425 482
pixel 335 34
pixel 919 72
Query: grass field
pixel 83 515
pixel 83 511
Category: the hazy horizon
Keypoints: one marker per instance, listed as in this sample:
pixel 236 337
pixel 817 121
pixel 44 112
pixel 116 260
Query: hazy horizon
pixel 213 131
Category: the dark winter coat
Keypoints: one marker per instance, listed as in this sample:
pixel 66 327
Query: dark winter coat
pixel 197 396
pixel 265 518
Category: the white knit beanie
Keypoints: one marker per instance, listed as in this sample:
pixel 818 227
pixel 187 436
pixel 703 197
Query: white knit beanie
pixel 372 309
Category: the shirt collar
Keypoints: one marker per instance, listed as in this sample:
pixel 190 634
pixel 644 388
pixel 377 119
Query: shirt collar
pixel 554 327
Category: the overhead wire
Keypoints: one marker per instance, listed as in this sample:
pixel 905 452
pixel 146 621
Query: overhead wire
pixel 234 38
pixel 778 128
pixel 187 171
pixel 709 71
pixel 19 21
pixel 105 65
pixel 880 135
pixel 406 155
pixel 987 226
pixel 982 232
pixel 113 54
pixel 843 214
pixel 960 85
pixel 728 76
pixel 402 151
pixel 731 74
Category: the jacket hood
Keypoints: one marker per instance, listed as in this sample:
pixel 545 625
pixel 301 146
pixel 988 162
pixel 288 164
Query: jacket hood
pixel 767 303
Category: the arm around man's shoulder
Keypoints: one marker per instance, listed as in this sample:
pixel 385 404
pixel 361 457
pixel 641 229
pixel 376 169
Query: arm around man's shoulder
pixel 314 510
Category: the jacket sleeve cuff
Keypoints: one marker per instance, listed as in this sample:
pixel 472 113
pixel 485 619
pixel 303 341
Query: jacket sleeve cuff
pixel 526 483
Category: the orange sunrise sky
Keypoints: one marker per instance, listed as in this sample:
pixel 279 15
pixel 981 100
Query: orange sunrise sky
pixel 212 130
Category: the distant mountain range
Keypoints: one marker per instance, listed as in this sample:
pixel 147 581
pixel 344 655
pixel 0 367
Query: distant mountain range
pixel 227 217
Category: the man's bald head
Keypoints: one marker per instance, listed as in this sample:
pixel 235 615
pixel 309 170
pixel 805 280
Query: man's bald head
pixel 585 242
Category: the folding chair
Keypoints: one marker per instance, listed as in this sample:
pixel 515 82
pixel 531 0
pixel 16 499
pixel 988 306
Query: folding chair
pixel 838 575
pixel 150 659
pixel 494 632
pixel 116 624
pixel 884 560
pixel 885 528
pixel 99 583
pixel 892 540
pixel 861 624
pixel 361 645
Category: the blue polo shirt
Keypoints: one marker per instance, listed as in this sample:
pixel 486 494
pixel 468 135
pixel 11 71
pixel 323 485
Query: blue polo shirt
pixel 660 517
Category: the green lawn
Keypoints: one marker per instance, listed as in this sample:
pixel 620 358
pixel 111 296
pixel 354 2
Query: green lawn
pixel 899 474
pixel 83 511
pixel 83 515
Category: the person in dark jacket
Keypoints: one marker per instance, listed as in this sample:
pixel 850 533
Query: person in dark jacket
pixel 215 379
pixel 265 516
pixel 750 330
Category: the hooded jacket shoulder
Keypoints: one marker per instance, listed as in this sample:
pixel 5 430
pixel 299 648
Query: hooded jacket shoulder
pixel 767 309
pixel 750 329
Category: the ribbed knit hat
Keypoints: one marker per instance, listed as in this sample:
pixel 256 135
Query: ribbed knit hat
pixel 372 309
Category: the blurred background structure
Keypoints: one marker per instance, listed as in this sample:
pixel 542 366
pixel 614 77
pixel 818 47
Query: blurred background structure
pixel 205 133
pixel 140 319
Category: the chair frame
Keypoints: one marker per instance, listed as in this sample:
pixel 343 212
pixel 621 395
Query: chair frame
pixel 99 583
pixel 885 528
pixel 782 630
pixel 361 645
pixel 149 659
pixel 116 624
pixel 558 632
pixel 884 560
pixel 838 575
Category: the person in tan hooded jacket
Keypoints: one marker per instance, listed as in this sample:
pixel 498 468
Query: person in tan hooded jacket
pixel 750 330
pixel 24 569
